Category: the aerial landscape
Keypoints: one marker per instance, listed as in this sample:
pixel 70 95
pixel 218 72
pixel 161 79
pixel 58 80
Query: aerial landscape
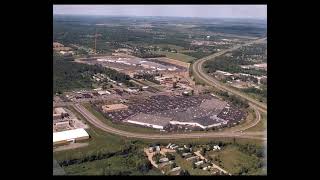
pixel 160 90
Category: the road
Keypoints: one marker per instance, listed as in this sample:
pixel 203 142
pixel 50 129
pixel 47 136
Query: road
pixel 99 124
pixel 198 70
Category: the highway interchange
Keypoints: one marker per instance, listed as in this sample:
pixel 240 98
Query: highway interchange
pixel 198 70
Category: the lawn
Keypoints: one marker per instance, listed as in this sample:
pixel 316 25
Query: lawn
pixel 177 56
pixel 98 141
pixel 111 166
pixel 234 161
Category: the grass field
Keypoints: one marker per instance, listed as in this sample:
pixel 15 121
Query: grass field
pixel 177 56
pixel 186 51
pixel 234 161
pixel 262 125
pixel 98 141
pixel 113 164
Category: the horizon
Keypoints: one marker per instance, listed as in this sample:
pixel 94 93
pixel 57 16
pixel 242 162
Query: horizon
pixel 93 15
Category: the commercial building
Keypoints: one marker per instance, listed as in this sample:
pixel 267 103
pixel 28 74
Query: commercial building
pixel 65 137
pixel 149 120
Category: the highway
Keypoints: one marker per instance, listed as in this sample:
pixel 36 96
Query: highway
pixel 198 70
pixel 99 124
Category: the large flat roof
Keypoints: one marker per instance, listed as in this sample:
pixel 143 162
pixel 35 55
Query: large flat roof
pixel 70 134
pixel 150 119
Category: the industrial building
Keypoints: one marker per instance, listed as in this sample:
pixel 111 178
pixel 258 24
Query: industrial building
pixel 65 137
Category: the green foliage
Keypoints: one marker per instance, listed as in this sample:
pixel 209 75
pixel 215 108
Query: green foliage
pixel 262 92
pixel 233 99
pixel 68 75
pixel 173 165
pixel 170 156
pixel 232 65
pixel 184 173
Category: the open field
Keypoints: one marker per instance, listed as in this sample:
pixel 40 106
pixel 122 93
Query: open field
pixel 177 56
pixel 262 125
pixel 235 161
pixel 108 166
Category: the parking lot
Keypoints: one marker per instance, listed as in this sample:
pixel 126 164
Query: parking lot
pixel 203 109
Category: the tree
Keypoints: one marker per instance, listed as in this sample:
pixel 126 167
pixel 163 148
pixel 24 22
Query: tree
pixel 170 156
pixel 173 165
pixel 144 166
pixel 184 173
pixel 157 158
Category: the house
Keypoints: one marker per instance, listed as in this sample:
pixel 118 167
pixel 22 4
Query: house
pixel 175 169
pixel 216 147
pixel 199 163
pixel 186 154
pixel 163 160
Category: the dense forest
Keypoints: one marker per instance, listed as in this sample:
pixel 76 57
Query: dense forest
pixel 68 75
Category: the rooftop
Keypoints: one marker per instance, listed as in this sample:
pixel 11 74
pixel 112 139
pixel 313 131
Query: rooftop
pixel 150 119
pixel 70 134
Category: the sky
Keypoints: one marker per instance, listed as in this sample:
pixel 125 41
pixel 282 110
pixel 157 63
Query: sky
pixel 207 11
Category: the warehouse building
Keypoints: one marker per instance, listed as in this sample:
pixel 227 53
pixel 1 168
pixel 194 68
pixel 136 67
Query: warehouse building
pixel 65 137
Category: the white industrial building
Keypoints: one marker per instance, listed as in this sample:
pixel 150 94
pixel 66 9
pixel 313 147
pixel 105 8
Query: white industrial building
pixel 65 137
